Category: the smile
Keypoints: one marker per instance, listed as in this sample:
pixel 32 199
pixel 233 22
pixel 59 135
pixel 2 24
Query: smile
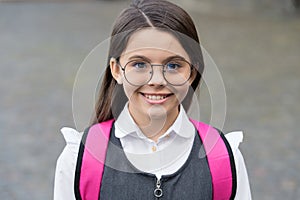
pixel 159 98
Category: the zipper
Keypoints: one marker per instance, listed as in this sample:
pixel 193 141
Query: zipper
pixel 158 191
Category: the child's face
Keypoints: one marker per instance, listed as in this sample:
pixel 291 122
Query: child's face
pixel 157 98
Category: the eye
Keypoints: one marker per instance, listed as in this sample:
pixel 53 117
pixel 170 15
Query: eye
pixel 138 64
pixel 173 66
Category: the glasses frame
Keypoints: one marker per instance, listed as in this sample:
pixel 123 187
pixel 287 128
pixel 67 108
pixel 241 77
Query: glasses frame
pixel 163 72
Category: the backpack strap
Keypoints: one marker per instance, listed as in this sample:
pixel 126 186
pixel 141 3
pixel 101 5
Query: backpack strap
pixel 90 161
pixel 220 160
pixel 92 154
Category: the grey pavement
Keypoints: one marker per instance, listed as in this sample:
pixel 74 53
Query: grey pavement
pixel 43 45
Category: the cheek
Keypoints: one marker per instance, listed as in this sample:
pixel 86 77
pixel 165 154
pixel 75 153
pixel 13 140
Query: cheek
pixel 129 90
pixel 181 92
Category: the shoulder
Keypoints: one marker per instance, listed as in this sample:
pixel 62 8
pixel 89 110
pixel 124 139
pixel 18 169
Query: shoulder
pixel 223 150
pixel 72 138
pixel 71 135
pixel 234 139
pixel 66 164
pixel 243 187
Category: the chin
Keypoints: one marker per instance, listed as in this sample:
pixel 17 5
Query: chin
pixel 157 112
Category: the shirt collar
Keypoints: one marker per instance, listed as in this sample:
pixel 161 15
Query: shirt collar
pixel 125 125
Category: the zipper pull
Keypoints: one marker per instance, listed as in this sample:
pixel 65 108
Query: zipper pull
pixel 158 191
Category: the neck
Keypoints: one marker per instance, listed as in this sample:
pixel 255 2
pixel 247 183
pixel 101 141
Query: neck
pixel 154 127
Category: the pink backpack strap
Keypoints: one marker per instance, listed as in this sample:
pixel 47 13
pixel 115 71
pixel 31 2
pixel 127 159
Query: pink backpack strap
pixel 92 153
pixel 220 160
pixel 90 161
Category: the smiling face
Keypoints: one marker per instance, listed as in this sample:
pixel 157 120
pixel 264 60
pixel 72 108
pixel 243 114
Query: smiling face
pixel 156 100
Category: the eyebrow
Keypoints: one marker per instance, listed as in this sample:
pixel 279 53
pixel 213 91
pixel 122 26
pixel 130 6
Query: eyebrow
pixel 164 61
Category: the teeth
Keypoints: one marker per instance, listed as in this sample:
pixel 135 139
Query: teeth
pixel 155 97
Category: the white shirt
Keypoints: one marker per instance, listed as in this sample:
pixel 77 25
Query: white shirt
pixel 163 157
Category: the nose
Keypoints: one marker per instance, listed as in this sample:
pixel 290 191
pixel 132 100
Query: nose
pixel 157 76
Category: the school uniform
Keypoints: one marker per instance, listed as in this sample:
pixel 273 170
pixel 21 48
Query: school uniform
pixel 135 163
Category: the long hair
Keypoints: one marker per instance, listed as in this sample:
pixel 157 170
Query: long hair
pixel 143 14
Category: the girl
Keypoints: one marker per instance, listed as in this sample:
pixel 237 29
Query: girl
pixel 141 144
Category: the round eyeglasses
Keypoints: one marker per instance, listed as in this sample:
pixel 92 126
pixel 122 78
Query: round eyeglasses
pixel 175 72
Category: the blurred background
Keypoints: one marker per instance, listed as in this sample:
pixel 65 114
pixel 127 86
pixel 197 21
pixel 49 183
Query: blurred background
pixel 255 44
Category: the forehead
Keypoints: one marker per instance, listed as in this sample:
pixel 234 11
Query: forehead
pixel 154 43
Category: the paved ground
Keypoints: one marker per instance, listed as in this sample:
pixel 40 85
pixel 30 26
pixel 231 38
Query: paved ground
pixel 43 45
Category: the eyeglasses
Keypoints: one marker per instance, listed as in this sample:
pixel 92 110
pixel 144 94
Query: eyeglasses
pixel 139 72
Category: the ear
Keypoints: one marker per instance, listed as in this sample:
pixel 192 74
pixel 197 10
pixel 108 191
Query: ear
pixel 116 70
pixel 193 76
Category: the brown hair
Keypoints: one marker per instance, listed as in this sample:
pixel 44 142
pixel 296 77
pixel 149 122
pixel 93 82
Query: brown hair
pixel 141 14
